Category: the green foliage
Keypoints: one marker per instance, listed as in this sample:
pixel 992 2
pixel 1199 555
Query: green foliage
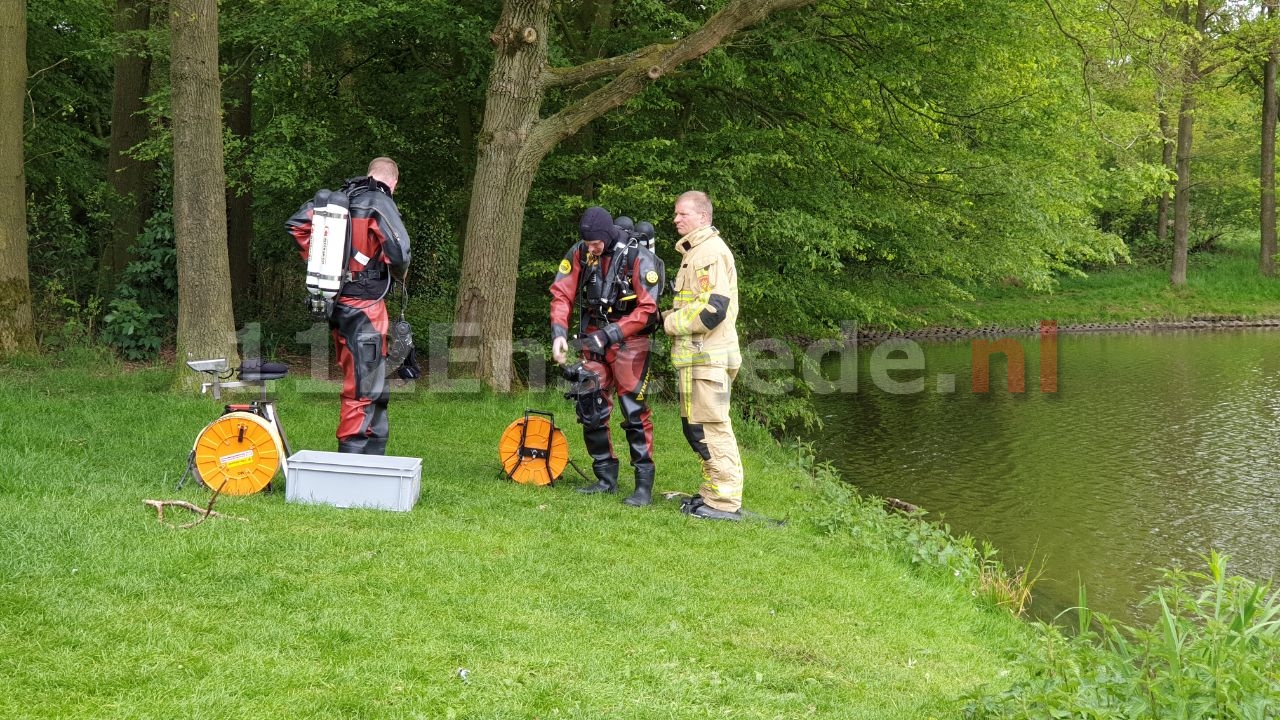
pixel 143 312
pixel 64 235
pixel 869 162
pixel 1135 58
pixel 61 254
pixel 769 389
pixel 63 322
pixel 404 79
pixel 855 152
pixel 1212 651
pixel 131 329
pixel 67 115
pixel 68 108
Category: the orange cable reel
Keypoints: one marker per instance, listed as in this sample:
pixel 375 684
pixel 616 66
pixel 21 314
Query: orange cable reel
pixel 533 450
pixel 238 453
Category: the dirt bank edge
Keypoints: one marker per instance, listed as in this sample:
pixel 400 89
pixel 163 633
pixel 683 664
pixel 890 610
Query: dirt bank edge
pixel 872 335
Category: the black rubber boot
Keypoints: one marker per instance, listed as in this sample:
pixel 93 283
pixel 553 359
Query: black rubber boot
pixel 606 478
pixel 351 446
pixel 691 503
pixel 644 488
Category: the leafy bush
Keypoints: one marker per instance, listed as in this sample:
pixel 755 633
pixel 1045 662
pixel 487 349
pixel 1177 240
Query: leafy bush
pixel 61 229
pixel 130 328
pixel 62 321
pixel 144 309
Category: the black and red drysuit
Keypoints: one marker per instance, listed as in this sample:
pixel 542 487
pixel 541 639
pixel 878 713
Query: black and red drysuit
pixel 618 316
pixel 379 245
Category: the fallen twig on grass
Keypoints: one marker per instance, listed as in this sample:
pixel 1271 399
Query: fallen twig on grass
pixel 204 512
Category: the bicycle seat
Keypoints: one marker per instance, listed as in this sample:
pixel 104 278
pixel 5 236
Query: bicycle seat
pixel 256 370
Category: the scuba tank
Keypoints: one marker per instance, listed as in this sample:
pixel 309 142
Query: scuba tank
pixel 328 251
pixel 642 234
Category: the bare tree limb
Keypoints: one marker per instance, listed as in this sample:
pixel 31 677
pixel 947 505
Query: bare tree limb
pixel 204 512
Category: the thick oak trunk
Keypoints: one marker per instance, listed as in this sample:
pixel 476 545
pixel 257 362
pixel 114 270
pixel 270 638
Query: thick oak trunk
pixel 16 333
pixel 504 174
pixel 206 328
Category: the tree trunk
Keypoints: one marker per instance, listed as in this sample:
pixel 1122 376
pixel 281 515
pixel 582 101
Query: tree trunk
pixel 1182 190
pixel 240 197
pixel 514 139
pixel 503 177
pixel 129 179
pixel 1267 176
pixel 1186 122
pixel 1168 141
pixel 206 327
pixel 16 332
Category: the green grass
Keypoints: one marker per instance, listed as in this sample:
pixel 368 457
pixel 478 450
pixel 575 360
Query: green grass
pixel 555 604
pixel 1224 282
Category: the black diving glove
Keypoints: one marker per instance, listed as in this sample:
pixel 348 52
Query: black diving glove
pixel 597 342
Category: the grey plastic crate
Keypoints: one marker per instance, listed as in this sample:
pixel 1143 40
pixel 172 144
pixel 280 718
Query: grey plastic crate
pixel 348 480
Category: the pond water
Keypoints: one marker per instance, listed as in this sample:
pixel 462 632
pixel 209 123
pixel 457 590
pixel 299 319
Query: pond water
pixel 1154 449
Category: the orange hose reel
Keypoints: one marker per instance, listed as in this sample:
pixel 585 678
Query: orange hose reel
pixel 533 450
pixel 238 453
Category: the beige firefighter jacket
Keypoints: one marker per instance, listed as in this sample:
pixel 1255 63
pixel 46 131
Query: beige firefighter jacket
pixel 703 318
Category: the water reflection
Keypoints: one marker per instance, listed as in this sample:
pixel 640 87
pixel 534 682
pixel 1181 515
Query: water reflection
pixel 1155 449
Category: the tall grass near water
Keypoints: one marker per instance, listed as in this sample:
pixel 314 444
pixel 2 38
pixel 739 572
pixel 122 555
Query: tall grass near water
pixel 1213 651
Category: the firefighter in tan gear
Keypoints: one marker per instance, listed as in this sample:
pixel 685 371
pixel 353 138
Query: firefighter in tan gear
pixel 705 355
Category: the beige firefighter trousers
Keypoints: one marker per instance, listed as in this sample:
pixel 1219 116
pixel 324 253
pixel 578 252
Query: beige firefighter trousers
pixel 704 400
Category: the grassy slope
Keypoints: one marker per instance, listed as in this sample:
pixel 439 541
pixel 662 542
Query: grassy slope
pixel 556 604
pixel 1224 282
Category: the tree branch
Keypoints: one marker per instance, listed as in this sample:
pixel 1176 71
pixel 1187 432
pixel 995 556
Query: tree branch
pixel 633 74
pixel 605 67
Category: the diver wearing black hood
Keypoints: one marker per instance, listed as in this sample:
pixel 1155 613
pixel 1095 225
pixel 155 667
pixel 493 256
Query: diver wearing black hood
pixel 615 282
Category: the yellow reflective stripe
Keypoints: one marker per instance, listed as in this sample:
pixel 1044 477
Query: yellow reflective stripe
pixel 687 315
pixel 690 360
pixel 684 376
pixel 681 323
pixel 714 490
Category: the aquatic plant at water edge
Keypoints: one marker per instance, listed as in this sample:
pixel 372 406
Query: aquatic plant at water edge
pixel 1213 651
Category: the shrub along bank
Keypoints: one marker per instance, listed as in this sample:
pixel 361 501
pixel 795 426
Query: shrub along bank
pixel 1213 651
pixel 488 600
